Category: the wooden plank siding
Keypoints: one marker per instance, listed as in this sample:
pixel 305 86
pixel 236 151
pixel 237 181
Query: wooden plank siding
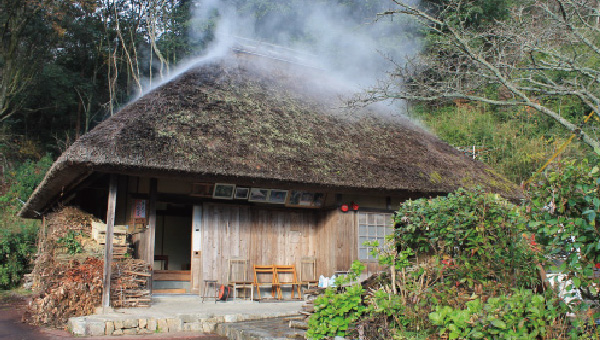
pixel 266 235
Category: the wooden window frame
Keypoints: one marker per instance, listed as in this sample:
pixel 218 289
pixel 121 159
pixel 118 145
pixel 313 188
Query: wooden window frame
pixel 372 226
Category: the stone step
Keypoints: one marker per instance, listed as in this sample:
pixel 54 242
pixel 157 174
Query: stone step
pixel 268 329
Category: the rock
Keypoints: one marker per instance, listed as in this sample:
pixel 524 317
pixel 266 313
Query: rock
pixel 130 331
pixel 162 326
pixel 175 324
pixel 209 327
pixel 95 328
pixel 192 327
pixel 110 328
pixel 76 326
pixel 130 323
pixel 151 324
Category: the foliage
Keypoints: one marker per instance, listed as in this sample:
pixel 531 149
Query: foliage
pixel 336 312
pixel 475 235
pixel 565 214
pixel 25 178
pixel 18 236
pixel 514 142
pixel 451 257
pixel 16 249
pixel 522 54
pixel 70 242
pixel 519 315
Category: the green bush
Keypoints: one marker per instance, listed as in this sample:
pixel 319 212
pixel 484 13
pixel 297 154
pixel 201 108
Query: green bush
pixel 519 315
pixel 565 215
pixel 16 250
pixel 475 236
pixel 17 235
pixel 336 312
pixel 24 179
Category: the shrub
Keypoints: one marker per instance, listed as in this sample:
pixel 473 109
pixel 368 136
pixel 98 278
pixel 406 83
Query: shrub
pixel 16 250
pixel 336 312
pixel 519 315
pixel 565 215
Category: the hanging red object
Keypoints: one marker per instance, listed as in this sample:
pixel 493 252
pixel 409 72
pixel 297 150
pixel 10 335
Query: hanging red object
pixel 345 207
pixel 354 206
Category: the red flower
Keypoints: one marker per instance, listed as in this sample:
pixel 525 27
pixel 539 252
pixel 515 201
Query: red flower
pixel 457 283
pixel 533 243
pixel 502 260
pixel 597 265
pixel 445 261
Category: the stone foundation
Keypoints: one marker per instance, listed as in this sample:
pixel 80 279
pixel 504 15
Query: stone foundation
pixel 99 325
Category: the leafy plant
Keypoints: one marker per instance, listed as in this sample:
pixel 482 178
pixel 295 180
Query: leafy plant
pixel 16 250
pixel 25 178
pixel 70 242
pixel 518 315
pixel 336 312
pixel 565 216
pixel 474 236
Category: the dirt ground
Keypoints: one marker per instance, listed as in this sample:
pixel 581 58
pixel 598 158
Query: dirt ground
pixel 11 327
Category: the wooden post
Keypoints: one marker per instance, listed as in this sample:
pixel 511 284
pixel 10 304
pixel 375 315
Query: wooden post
pixel 151 228
pixel 196 263
pixel 108 246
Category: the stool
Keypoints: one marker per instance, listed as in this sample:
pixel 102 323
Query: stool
pixel 207 284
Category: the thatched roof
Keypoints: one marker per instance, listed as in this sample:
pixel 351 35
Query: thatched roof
pixel 246 120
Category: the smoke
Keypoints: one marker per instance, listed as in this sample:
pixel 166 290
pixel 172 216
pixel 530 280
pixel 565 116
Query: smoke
pixel 342 37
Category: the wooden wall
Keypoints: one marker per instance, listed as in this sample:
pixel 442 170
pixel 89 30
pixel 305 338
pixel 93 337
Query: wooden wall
pixel 276 236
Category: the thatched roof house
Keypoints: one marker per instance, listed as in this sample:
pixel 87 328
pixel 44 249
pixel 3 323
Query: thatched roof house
pixel 247 122
pixel 260 123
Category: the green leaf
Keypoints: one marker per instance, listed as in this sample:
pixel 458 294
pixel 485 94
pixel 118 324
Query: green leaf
pixel 499 324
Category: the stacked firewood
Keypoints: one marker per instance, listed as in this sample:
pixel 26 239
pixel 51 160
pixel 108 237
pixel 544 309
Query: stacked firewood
pixel 68 285
pixel 129 281
pixel 75 289
pixel 68 289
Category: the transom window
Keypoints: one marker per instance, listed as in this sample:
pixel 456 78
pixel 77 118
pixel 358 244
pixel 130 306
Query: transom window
pixel 372 227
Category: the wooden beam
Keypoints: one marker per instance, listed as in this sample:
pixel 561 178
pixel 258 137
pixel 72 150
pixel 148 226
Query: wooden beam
pixel 151 226
pixel 108 246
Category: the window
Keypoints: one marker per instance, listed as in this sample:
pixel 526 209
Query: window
pixel 372 227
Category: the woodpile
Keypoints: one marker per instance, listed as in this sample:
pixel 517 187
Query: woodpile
pixel 75 289
pixel 128 286
pixel 67 285
pixel 68 289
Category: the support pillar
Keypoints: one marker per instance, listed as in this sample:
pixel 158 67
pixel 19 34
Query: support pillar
pixel 151 228
pixel 108 245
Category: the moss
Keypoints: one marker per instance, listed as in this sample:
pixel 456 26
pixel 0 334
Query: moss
pixel 500 182
pixel 435 177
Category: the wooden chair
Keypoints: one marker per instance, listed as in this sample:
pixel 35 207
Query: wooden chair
pixel 308 272
pixel 289 270
pixel 237 276
pixel 261 271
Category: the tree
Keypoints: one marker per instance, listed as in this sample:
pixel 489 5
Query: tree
pixel 541 52
pixel 24 37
